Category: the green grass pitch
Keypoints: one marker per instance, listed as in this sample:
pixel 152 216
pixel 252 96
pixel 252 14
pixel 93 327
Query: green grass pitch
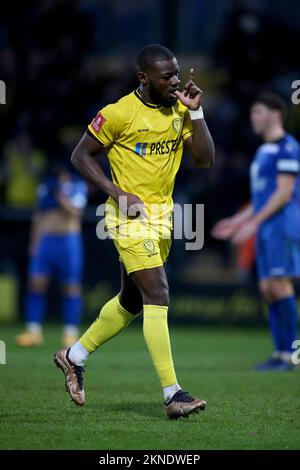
pixel 246 409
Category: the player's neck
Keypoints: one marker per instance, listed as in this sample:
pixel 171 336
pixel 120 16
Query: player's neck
pixel 273 133
pixel 144 94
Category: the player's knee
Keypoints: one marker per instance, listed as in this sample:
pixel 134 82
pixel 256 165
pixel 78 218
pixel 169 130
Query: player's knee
pixel 157 296
pixel 71 289
pixel 266 292
pixel 38 285
pixel 280 289
pixel 275 289
pixel 132 304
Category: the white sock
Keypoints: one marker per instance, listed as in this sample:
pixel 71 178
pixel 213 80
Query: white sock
pixel 34 327
pixel 276 355
pixel 78 354
pixel 71 330
pixel 170 391
pixel 286 356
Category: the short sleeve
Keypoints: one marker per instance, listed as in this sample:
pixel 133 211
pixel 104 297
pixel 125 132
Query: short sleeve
pixel 288 159
pixel 106 125
pixel 187 128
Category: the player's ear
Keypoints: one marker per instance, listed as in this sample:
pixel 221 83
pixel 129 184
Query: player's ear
pixel 142 77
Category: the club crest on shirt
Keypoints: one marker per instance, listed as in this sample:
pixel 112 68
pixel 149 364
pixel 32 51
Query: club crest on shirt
pixel 98 122
pixel 177 124
pixel 149 246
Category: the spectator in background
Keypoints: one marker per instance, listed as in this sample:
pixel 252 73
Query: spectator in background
pixel 23 167
pixel 56 250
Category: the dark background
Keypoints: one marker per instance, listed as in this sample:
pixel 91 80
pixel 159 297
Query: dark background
pixel 62 60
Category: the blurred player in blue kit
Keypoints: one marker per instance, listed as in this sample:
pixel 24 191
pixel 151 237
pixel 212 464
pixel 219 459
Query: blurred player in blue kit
pixel 55 250
pixel 274 215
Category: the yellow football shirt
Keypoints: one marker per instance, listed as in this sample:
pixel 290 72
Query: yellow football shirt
pixel 144 145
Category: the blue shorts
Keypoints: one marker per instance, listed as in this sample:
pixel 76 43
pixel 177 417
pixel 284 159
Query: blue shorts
pixel 60 256
pixel 277 256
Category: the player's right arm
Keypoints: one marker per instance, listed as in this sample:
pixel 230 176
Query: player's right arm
pixel 226 228
pixel 83 158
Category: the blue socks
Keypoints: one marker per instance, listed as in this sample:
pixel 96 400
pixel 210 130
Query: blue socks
pixel 283 318
pixel 35 307
pixel 276 327
pixel 72 308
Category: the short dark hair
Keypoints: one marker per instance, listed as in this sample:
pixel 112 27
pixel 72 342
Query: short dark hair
pixel 272 101
pixel 151 54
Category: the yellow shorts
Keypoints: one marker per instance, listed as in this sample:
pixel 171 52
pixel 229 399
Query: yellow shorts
pixel 138 254
pixel 140 244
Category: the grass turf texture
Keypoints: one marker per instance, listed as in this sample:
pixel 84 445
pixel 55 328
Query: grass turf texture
pixel 246 409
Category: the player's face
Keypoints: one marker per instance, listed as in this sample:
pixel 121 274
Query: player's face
pixel 163 81
pixel 261 118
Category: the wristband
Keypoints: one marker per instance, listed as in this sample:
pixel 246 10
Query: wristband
pixel 198 114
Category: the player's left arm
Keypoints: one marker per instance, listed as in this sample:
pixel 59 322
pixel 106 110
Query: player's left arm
pixel 200 144
pixel 285 183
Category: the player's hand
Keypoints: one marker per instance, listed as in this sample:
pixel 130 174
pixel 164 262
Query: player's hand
pixel 245 233
pixel 224 229
pixel 132 206
pixel 191 95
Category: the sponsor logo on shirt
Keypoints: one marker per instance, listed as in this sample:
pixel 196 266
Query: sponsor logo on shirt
pixel 98 122
pixel 156 148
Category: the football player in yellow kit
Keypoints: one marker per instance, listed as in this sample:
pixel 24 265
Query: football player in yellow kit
pixel 143 135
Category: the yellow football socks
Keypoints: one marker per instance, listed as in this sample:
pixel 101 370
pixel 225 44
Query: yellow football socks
pixel 156 333
pixel 113 318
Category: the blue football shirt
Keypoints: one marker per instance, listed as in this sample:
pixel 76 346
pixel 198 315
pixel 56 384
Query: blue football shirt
pixel 75 189
pixel 272 158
